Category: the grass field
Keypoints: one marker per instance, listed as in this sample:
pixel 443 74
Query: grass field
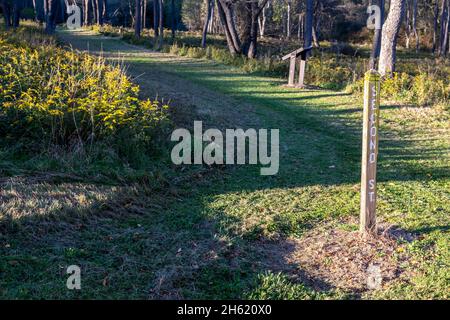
pixel 162 231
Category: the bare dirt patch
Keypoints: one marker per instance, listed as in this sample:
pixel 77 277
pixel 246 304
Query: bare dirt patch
pixel 327 257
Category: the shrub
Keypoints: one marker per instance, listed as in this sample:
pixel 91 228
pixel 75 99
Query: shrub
pixel 428 89
pixel 109 30
pixel 174 49
pixel 208 52
pixel 51 96
pixel 196 52
pixel 397 87
pixel 421 89
pixel 182 51
pixel 328 73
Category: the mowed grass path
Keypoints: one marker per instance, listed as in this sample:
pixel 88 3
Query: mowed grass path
pixel 225 232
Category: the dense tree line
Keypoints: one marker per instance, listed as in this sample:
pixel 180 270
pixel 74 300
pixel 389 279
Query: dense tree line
pixel 244 22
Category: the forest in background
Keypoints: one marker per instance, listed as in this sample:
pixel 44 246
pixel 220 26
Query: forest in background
pixel 425 25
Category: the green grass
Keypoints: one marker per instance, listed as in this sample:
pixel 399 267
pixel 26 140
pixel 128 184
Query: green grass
pixel 199 232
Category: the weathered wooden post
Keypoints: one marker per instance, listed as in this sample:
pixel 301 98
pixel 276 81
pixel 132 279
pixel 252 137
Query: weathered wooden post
pixel 291 79
pixel 302 67
pixel 370 152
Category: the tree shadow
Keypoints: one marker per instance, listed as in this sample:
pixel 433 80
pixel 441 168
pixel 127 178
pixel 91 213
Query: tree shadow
pixel 170 243
pixel 129 244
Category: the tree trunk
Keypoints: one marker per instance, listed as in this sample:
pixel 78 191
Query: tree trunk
pixel 249 42
pixel 95 12
pixel 173 18
pixel 63 8
pixel 35 11
pixel 212 24
pixel 300 30
pixel 447 30
pixel 137 18
pixel 155 18
pixel 407 24
pixel 444 27
pixel 244 20
pixel 100 12
pixel 263 20
pixel 105 11
pixel 315 38
pixel 38 6
pixel 222 17
pixel 389 37
pixel 307 38
pixel 45 2
pixel 256 11
pixel 435 25
pixel 50 9
pixel 144 15
pixel 414 24
pixel 253 48
pixel 316 23
pixel 228 23
pixel 86 12
pixel 375 53
pixel 7 13
pixel 209 5
pixel 82 12
pixel 161 24
pixel 48 4
pixel 17 7
pixel 288 19
pixel 230 18
pixel 443 15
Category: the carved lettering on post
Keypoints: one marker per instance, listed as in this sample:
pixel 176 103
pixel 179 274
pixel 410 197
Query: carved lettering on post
pixel 370 152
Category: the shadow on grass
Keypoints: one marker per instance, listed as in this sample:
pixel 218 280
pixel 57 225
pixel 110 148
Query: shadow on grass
pixel 129 242
pixel 172 243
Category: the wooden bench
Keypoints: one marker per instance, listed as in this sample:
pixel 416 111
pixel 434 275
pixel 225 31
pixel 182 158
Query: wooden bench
pixel 301 53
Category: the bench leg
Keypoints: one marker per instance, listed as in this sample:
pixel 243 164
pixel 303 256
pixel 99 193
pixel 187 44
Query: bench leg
pixel 292 72
pixel 301 73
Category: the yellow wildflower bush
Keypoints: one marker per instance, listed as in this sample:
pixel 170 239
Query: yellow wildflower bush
pixel 49 95
pixel 421 89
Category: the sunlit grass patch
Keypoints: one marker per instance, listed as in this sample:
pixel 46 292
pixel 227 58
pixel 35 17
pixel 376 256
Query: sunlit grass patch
pixel 23 199
pixel 270 286
pixel 280 212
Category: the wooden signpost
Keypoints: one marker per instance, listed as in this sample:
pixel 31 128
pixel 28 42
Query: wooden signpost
pixel 293 57
pixel 370 152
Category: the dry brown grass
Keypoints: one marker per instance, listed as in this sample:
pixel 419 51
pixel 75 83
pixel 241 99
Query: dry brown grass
pixel 24 198
pixel 31 201
pixel 327 257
